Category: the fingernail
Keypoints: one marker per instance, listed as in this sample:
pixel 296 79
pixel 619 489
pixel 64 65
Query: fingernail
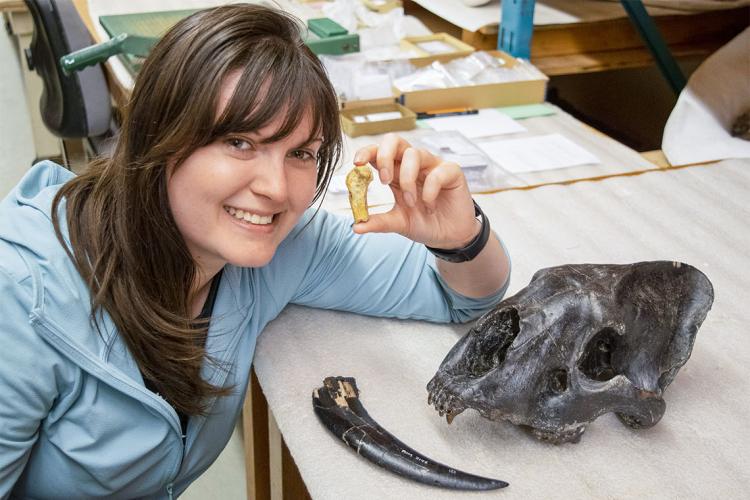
pixel 385 176
pixel 358 158
pixel 409 198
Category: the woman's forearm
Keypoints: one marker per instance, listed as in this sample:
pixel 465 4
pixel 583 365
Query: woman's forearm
pixel 480 277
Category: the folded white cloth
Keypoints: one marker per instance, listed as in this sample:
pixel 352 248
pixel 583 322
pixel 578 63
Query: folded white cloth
pixel 716 94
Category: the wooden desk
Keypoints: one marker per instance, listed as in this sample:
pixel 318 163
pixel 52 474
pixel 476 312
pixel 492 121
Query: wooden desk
pixel 562 49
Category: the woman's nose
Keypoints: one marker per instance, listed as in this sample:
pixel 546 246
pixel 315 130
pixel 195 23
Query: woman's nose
pixel 271 180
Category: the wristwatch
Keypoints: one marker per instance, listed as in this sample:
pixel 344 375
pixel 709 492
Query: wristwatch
pixel 470 251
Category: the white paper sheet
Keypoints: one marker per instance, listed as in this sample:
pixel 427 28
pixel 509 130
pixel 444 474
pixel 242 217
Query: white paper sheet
pixel 529 154
pixel 716 94
pixel 486 123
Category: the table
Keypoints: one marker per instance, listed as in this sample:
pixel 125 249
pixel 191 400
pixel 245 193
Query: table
pixel 271 468
pixel 696 215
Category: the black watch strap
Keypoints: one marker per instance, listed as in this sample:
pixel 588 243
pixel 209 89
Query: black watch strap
pixel 470 251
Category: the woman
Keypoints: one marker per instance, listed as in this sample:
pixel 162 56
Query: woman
pixel 133 294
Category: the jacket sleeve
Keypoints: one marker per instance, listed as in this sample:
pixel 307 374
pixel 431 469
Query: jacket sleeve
pixel 377 274
pixel 28 378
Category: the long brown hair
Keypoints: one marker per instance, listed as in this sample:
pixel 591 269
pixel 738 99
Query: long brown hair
pixel 124 239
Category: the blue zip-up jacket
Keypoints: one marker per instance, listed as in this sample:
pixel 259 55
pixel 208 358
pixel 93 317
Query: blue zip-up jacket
pixel 75 418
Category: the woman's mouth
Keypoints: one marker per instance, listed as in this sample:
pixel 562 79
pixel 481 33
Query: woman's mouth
pixel 246 216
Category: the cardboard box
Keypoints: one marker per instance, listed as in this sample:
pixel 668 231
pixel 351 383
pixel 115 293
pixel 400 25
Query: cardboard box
pixel 429 48
pixel 356 117
pixel 489 95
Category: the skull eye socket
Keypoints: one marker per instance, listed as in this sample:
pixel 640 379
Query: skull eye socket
pixel 558 381
pixel 493 340
pixel 598 361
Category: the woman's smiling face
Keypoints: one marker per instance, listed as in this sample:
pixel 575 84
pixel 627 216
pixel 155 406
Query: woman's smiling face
pixel 236 199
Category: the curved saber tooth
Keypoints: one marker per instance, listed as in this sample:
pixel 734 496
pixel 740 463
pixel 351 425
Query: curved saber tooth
pixel 338 407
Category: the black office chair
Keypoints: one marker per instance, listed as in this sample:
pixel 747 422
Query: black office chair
pixel 75 106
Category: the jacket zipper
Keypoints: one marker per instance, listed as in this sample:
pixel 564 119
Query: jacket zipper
pixel 94 366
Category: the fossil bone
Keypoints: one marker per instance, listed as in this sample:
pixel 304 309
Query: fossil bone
pixel 357 181
pixel 338 407
pixel 578 342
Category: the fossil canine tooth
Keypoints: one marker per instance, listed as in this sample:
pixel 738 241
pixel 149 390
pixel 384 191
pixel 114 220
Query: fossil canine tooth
pixel 338 407
pixel 357 181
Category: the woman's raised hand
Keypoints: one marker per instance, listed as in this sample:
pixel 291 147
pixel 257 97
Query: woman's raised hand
pixel 433 204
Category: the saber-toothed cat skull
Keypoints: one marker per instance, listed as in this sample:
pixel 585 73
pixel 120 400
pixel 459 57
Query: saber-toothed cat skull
pixel 578 342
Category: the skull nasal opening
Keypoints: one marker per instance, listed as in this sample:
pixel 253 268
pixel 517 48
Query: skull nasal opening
pixel 493 340
pixel 598 361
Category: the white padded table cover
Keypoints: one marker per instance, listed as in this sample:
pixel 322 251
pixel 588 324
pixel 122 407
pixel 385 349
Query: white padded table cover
pixel 699 215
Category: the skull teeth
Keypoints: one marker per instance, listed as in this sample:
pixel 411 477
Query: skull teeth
pixel 446 404
pixel 450 416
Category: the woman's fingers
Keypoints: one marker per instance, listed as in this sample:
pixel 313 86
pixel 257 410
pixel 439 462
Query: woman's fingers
pixel 366 154
pixel 390 151
pixel 408 174
pixel 432 198
pixel 415 176
pixel 384 156
pixel 392 221
pixel 446 175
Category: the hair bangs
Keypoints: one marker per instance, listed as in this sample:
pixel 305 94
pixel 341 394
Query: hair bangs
pixel 278 85
pixel 275 79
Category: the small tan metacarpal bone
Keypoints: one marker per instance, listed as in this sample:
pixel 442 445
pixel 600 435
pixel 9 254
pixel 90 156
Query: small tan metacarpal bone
pixel 357 181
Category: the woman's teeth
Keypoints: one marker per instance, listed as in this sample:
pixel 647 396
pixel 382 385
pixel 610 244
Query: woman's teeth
pixel 248 217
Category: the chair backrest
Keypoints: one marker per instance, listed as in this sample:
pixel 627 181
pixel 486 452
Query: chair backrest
pixel 76 105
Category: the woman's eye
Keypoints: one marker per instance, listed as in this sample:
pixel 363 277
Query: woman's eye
pixel 301 154
pixel 239 144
